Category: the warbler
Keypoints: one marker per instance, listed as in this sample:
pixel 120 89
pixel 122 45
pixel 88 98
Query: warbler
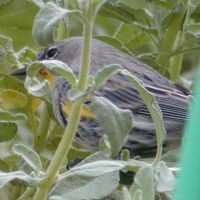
pixel 172 98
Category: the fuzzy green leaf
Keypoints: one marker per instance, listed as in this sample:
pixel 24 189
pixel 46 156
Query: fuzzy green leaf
pixel 46 22
pixel 165 179
pixel 84 181
pixel 8 58
pixel 8 131
pixel 10 82
pixel 115 42
pixel 9 116
pixel 16 19
pixel 143 184
pixel 125 13
pixel 115 122
pixel 118 12
pixel 30 156
pixel 132 36
pixel 11 99
pixel 104 74
pixel 153 108
pixel 55 66
pixel 21 175
pixel 40 88
pixel 75 94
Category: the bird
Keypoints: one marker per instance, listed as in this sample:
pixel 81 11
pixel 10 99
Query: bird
pixel 173 99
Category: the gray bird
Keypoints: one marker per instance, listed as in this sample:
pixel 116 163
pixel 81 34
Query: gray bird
pixel 173 99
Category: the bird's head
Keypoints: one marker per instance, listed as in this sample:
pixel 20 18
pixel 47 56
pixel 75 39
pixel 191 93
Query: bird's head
pixel 68 51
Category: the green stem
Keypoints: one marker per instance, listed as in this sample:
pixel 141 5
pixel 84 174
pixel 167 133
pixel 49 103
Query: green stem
pixel 175 67
pixel 61 152
pixel 158 157
pixel 27 194
pixel 74 118
pixel 85 58
pixel 43 128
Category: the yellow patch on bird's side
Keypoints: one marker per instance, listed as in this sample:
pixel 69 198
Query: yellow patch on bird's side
pixel 47 75
pixel 86 111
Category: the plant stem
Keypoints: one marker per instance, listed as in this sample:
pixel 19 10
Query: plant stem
pixel 85 57
pixel 175 67
pixel 61 152
pixel 74 118
pixel 27 194
pixel 43 128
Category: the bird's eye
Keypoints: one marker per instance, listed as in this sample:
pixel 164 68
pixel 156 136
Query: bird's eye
pixel 51 52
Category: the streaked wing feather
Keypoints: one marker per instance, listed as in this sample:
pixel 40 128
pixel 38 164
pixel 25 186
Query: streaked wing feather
pixel 174 104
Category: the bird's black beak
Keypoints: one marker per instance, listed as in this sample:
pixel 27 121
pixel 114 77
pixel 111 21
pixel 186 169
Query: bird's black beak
pixel 20 72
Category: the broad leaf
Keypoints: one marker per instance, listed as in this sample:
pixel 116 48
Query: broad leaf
pixel 74 94
pixel 20 175
pixel 143 184
pixel 40 88
pixel 104 74
pixel 8 131
pixel 132 36
pixel 115 42
pixel 115 122
pixel 171 16
pixel 85 181
pixel 9 116
pixel 153 108
pixel 16 19
pixel 94 157
pixel 55 66
pixel 165 179
pixel 125 13
pixel 10 82
pixel 118 12
pixel 46 22
pixel 30 156
pixel 11 99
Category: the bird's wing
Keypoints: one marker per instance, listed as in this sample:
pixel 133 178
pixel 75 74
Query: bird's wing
pixel 173 103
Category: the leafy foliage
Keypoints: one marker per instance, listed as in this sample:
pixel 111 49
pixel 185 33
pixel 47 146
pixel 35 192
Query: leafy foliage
pixel 160 33
pixel 29 156
pixel 109 115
